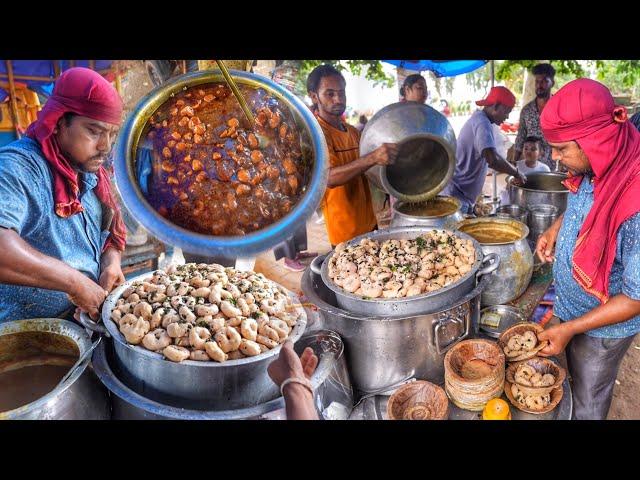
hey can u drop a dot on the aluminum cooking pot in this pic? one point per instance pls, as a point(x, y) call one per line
point(449, 220)
point(129, 177)
point(330, 381)
point(417, 304)
point(427, 157)
point(229, 385)
point(81, 396)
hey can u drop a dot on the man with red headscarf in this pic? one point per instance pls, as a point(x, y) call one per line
point(597, 240)
point(61, 232)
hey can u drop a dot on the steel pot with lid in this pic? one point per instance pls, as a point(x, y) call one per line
point(131, 174)
point(428, 302)
point(506, 238)
point(439, 212)
point(230, 385)
point(35, 354)
point(426, 160)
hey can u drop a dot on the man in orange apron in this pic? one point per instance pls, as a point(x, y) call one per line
point(346, 206)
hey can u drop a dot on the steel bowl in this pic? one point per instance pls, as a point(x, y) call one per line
point(508, 316)
point(417, 304)
point(401, 218)
point(427, 156)
point(129, 176)
point(512, 211)
point(229, 385)
point(541, 217)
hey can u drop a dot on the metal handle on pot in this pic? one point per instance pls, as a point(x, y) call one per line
point(86, 322)
point(316, 264)
point(454, 319)
point(493, 260)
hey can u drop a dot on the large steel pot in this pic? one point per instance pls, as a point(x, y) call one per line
point(417, 304)
point(427, 157)
point(540, 189)
point(403, 214)
point(513, 275)
point(541, 217)
point(81, 397)
point(383, 351)
point(129, 177)
point(233, 384)
point(330, 380)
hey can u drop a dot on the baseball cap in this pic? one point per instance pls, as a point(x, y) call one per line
point(500, 95)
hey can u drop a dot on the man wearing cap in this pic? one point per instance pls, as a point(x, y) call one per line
point(61, 232)
point(596, 268)
point(476, 149)
point(544, 75)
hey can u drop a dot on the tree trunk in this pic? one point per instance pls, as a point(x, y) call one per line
point(529, 89)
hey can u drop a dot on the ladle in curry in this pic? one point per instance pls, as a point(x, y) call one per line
point(82, 358)
point(241, 100)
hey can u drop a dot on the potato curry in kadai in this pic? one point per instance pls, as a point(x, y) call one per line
point(212, 175)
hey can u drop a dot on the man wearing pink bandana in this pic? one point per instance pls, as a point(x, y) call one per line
point(597, 240)
point(61, 231)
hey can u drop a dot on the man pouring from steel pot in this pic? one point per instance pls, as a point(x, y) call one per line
point(61, 232)
point(597, 240)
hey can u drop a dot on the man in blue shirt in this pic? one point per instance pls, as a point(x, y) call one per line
point(476, 149)
point(61, 233)
point(597, 240)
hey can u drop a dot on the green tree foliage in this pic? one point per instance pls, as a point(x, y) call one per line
point(372, 70)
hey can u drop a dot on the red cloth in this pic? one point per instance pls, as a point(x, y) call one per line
point(584, 111)
point(87, 93)
point(501, 95)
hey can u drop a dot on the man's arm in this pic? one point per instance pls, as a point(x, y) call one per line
point(383, 155)
point(499, 164)
point(21, 264)
point(619, 308)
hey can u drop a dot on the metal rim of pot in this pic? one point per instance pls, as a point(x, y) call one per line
point(197, 243)
point(335, 310)
point(452, 200)
point(109, 329)
point(476, 269)
point(55, 326)
point(509, 181)
point(107, 376)
point(429, 194)
point(543, 210)
point(480, 220)
point(115, 385)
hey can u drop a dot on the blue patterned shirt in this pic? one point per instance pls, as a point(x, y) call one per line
point(26, 206)
point(571, 300)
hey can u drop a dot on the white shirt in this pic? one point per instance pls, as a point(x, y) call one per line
point(540, 167)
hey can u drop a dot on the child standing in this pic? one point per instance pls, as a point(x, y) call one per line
point(531, 153)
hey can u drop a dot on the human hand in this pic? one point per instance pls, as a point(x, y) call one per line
point(545, 246)
point(520, 179)
point(385, 154)
point(288, 365)
point(87, 295)
point(111, 277)
point(558, 337)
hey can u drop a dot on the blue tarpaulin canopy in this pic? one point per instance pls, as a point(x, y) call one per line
point(39, 75)
point(444, 68)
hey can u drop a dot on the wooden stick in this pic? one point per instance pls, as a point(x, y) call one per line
point(12, 98)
